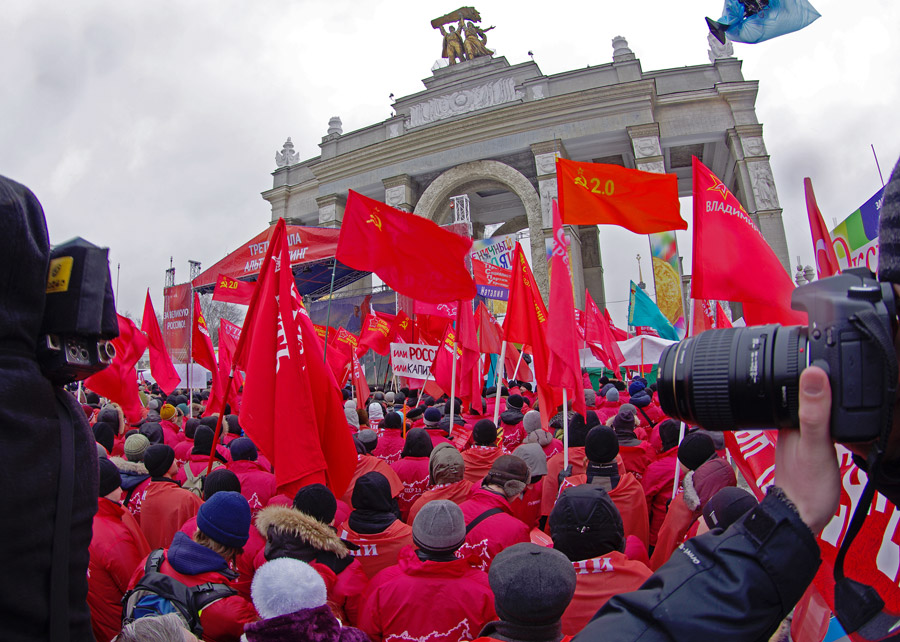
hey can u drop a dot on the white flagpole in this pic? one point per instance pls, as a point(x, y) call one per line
point(565, 429)
point(677, 463)
point(499, 382)
point(516, 371)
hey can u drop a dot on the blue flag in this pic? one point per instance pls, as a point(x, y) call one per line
point(644, 312)
point(753, 21)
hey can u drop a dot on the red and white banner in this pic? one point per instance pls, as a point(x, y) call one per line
point(491, 281)
point(177, 321)
point(412, 360)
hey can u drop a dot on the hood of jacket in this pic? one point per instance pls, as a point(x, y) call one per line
point(129, 467)
point(539, 436)
point(314, 625)
point(289, 523)
point(511, 417)
point(190, 558)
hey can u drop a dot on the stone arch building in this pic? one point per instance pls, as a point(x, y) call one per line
point(492, 130)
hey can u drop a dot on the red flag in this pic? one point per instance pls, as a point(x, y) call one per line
point(594, 193)
point(730, 254)
point(618, 334)
point(516, 368)
point(431, 328)
point(471, 381)
point(826, 260)
point(229, 290)
point(446, 310)
point(358, 376)
point(201, 343)
point(703, 316)
point(160, 363)
point(490, 335)
point(118, 381)
point(291, 405)
point(491, 280)
point(375, 334)
point(721, 319)
point(564, 365)
point(402, 328)
point(229, 334)
point(411, 254)
point(346, 342)
point(599, 329)
point(442, 366)
point(525, 322)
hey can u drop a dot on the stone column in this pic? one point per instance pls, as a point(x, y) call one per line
point(400, 192)
point(331, 210)
point(756, 187)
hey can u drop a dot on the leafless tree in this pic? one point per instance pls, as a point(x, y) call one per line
point(214, 311)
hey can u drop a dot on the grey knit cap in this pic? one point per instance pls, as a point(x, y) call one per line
point(889, 230)
point(590, 397)
point(532, 584)
point(612, 395)
point(439, 526)
point(534, 456)
point(135, 447)
point(532, 421)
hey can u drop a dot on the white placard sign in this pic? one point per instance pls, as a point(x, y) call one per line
point(412, 360)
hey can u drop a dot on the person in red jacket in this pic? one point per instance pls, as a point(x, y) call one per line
point(366, 441)
point(117, 547)
point(166, 506)
point(446, 471)
point(528, 506)
point(167, 416)
point(390, 442)
point(659, 478)
point(303, 532)
point(198, 460)
point(489, 520)
point(135, 477)
point(636, 453)
point(430, 594)
point(412, 469)
point(577, 462)
point(223, 524)
point(532, 587)
point(184, 448)
point(535, 434)
point(257, 484)
point(374, 525)
point(431, 422)
point(484, 452)
point(586, 526)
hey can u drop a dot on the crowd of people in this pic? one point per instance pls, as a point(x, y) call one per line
point(447, 531)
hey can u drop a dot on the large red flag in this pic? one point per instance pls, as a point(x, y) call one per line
point(160, 363)
point(826, 260)
point(229, 334)
point(598, 329)
point(564, 365)
point(721, 318)
point(201, 343)
point(291, 405)
point(229, 290)
point(490, 335)
point(118, 381)
point(442, 366)
point(732, 260)
point(411, 254)
point(360, 385)
point(525, 322)
point(470, 374)
point(703, 316)
point(594, 193)
point(375, 334)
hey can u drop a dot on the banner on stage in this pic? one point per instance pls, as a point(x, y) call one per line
point(412, 360)
point(177, 321)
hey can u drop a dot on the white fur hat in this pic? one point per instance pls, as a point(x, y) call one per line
point(286, 585)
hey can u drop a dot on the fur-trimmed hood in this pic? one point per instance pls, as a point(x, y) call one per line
point(284, 520)
point(133, 467)
point(701, 484)
point(690, 493)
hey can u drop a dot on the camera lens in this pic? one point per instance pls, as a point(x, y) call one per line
point(735, 378)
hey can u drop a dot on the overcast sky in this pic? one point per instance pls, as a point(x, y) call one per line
point(151, 127)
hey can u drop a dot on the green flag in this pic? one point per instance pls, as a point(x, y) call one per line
point(643, 311)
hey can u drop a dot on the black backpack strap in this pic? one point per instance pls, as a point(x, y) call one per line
point(155, 560)
point(488, 513)
point(649, 421)
point(205, 594)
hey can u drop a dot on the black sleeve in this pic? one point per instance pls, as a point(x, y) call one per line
point(736, 585)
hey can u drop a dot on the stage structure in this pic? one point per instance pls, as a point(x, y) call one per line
point(491, 131)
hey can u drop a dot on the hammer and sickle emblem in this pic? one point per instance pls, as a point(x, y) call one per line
point(374, 219)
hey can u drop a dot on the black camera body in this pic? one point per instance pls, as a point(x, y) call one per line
point(79, 313)
point(747, 378)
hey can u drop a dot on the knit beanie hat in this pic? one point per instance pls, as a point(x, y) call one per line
point(590, 397)
point(439, 527)
point(203, 440)
point(135, 447)
point(158, 459)
point(219, 480)
point(317, 501)
point(167, 412)
point(389, 397)
point(392, 420)
point(417, 444)
point(889, 230)
point(532, 421)
point(109, 478)
point(432, 417)
point(283, 586)
point(233, 424)
point(624, 420)
point(612, 395)
point(515, 401)
point(509, 472)
point(484, 432)
point(190, 427)
point(532, 585)
point(640, 400)
point(601, 445)
point(368, 438)
point(635, 386)
point(225, 518)
point(243, 449)
point(153, 432)
point(109, 415)
point(104, 435)
point(585, 523)
point(727, 506)
point(695, 450)
point(591, 419)
point(446, 464)
point(578, 430)
point(668, 433)
point(533, 455)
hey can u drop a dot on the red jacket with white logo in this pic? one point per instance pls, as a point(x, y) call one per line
point(377, 551)
point(457, 492)
point(494, 533)
point(257, 484)
point(479, 460)
point(390, 445)
point(577, 460)
point(413, 472)
point(418, 601)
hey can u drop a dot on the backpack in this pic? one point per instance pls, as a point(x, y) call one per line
point(159, 594)
point(194, 483)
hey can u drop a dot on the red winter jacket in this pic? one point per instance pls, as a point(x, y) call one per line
point(183, 451)
point(367, 464)
point(390, 445)
point(479, 460)
point(193, 564)
point(433, 601)
point(637, 457)
point(628, 496)
point(377, 551)
point(437, 435)
point(170, 433)
point(165, 507)
point(657, 482)
point(457, 492)
point(117, 547)
point(528, 507)
point(494, 533)
point(577, 460)
point(257, 484)
point(413, 472)
point(198, 464)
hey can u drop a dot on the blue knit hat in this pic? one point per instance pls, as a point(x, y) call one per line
point(243, 448)
point(635, 386)
point(226, 519)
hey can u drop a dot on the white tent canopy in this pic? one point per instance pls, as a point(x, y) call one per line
point(631, 348)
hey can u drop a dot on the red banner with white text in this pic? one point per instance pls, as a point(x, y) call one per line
point(177, 321)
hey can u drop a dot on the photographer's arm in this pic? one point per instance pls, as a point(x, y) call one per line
point(740, 584)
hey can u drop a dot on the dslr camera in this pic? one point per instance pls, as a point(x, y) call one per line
point(79, 314)
point(747, 378)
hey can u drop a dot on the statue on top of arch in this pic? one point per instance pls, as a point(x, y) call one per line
point(466, 40)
